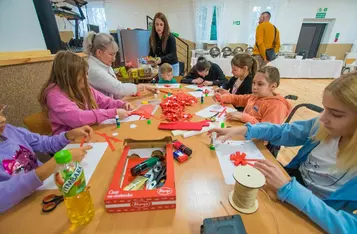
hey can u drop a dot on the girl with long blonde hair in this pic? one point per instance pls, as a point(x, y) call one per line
point(70, 102)
point(324, 172)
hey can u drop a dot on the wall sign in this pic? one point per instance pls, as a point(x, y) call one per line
point(321, 13)
point(336, 37)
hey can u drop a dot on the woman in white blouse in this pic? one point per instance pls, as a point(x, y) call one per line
point(102, 49)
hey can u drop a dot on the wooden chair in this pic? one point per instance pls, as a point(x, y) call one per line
point(38, 123)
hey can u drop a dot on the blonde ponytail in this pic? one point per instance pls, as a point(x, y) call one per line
point(88, 42)
point(98, 41)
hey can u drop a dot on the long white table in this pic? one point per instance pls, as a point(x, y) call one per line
point(291, 68)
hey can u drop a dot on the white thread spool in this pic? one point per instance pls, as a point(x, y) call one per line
point(244, 196)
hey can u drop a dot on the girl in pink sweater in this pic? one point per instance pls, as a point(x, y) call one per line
point(70, 102)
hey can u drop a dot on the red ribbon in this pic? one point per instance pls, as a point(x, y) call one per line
point(108, 139)
point(173, 107)
point(238, 158)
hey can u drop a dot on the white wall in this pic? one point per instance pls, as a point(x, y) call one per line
point(19, 26)
point(290, 16)
point(180, 14)
point(132, 14)
point(129, 13)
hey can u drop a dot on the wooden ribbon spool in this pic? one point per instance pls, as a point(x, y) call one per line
point(244, 196)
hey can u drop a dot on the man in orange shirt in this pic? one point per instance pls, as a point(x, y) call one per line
point(267, 39)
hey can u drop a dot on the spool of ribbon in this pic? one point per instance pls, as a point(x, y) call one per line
point(244, 196)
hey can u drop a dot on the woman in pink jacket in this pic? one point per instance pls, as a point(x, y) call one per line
point(70, 102)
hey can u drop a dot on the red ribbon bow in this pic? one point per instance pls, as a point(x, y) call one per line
point(238, 158)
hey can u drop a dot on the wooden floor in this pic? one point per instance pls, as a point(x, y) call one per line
point(308, 91)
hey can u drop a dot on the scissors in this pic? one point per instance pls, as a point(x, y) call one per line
point(158, 174)
point(213, 117)
point(51, 202)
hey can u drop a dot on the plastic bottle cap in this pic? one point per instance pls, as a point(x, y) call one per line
point(222, 125)
point(63, 156)
point(149, 121)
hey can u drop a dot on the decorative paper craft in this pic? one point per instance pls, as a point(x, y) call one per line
point(224, 150)
point(89, 163)
point(173, 107)
point(165, 86)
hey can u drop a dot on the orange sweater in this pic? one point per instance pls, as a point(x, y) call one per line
point(273, 109)
point(264, 37)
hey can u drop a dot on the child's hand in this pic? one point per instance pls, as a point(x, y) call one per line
point(221, 91)
point(207, 83)
point(84, 131)
point(198, 81)
point(122, 113)
point(217, 97)
point(128, 106)
point(237, 116)
point(224, 134)
point(79, 153)
point(273, 174)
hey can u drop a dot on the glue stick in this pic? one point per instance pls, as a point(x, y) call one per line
point(117, 121)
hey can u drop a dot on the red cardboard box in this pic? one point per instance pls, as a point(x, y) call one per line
point(118, 200)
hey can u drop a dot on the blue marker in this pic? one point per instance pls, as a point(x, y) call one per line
point(117, 121)
point(201, 99)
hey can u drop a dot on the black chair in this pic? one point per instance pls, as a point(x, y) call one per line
point(274, 150)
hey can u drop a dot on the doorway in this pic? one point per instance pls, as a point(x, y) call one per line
point(310, 39)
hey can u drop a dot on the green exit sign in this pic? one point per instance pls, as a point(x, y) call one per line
point(236, 22)
point(320, 15)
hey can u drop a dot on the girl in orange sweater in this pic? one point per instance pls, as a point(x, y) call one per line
point(263, 105)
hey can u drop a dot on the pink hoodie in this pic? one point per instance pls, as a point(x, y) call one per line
point(64, 114)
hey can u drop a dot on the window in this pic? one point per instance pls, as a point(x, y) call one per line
point(206, 23)
point(213, 34)
point(95, 14)
point(255, 14)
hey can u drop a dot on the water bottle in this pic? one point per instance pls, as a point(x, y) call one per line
point(69, 178)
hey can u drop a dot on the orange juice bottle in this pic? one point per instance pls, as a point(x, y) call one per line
point(69, 178)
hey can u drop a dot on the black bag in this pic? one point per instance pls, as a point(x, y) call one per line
point(270, 53)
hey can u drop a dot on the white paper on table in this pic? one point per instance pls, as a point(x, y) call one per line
point(178, 132)
point(195, 87)
point(214, 109)
point(224, 150)
point(89, 163)
point(171, 86)
point(199, 94)
point(131, 118)
point(204, 129)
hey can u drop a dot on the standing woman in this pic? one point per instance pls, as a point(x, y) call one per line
point(163, 44)
point(102, 49)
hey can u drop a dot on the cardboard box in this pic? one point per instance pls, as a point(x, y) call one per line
point(118, 200)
